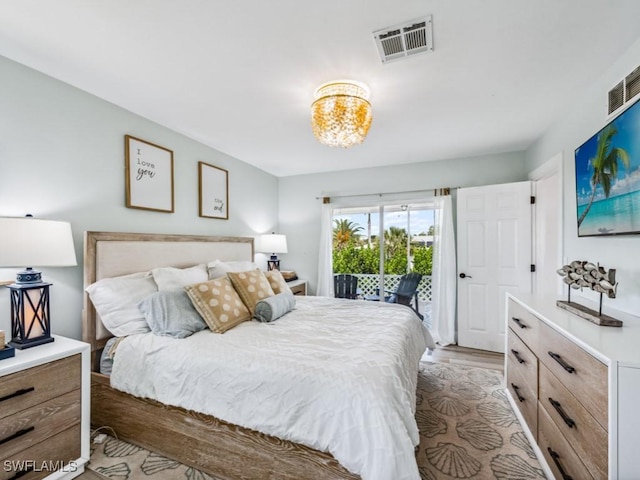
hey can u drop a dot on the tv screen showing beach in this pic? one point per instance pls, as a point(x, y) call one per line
point(608, 178)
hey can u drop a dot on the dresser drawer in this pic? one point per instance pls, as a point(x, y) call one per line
point(588, 438)
point(583, 375)
point(561, 458)
point(525, 398)
point(524, 324)
point(35, 424)
point(33, 386)
point(42, 459)
point(520, 358)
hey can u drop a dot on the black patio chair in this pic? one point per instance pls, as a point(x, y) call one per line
point(345, 286)
point(406, 292)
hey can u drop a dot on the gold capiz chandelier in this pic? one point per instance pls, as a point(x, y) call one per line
point(341, 113)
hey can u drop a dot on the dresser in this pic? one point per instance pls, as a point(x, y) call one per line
point(575, 387)
point(44, 411)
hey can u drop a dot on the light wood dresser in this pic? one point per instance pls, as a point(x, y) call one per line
point(575, 387)
point(44, 411)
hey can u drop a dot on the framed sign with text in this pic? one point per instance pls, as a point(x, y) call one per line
point(148, 175)
point(213, 191)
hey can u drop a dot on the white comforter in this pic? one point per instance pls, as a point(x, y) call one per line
point(336, 375)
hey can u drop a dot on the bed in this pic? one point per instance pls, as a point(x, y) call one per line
point(183, 429)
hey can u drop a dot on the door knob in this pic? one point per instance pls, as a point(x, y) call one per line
point(464, 275)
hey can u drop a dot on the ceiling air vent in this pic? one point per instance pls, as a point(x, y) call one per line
point(406, 39)
point(624, 91)
point(632, 84)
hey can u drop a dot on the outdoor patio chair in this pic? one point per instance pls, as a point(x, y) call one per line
point(345, 286)
point(406, 292)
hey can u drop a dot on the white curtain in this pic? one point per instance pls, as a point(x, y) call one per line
point(443, 290)
point(325, 260)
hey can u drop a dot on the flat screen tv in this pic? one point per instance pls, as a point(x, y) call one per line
point(608, 178)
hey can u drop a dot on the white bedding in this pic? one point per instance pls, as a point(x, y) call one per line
point(336, 375)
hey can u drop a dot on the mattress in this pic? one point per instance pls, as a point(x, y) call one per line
point(335, 375)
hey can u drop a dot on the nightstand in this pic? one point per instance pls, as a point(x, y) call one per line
point(44, 411)
point(298, 287)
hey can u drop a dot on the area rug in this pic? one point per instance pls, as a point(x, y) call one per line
point(467, 430)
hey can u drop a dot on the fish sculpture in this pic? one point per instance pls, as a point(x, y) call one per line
point(582, 274)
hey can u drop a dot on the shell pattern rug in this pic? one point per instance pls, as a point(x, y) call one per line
point(467, 430)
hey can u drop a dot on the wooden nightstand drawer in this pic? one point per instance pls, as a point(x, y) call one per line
point(299, 289)
point(44, 458)
point(524, 324)
point(33, 386)
point(33, 425)
point(560, 457)
point(582, 374)
point(581, 430)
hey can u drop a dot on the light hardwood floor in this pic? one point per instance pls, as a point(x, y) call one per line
point(451, 354)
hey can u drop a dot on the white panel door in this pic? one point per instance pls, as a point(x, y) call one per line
point(494, 257)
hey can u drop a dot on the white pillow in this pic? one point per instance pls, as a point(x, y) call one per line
point(116, 301)
point(219, 269)
point(170, 278)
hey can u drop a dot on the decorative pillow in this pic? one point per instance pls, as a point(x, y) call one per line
point(170, 278)
point(277, 281)
point(252, 286)
point(218, 304)
point(171, 314)
point(219, 269)
point(274, 307)
point(116, 301)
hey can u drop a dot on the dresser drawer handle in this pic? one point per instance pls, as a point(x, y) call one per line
point(567, 419)
point(517, 390)
point(519, 322)
point(556, 460)
point(22, 473)
point(517, 355)
point(19, 433)
point(17, 393)
point(562, 363)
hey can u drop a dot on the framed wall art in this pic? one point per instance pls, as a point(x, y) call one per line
point(148, 176)
point(213, 191)
point(608, 178)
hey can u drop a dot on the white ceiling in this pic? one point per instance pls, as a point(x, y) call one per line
point(239, 75)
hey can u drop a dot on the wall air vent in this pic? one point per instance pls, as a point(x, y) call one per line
point(624, 91)
point(406, 39)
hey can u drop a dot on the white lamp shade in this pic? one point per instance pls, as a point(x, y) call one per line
point(32, 242)
point(271, 243)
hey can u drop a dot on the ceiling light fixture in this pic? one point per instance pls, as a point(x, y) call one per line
point(341, 113)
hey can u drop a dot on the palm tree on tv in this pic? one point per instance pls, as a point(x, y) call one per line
point(605, 165)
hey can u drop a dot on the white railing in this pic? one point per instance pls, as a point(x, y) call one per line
point(368, 285)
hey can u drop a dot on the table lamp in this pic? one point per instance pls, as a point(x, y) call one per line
point(272, 243)
point(42, 243)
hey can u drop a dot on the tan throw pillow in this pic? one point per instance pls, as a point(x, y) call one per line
point(252, 286)
point(277, 281)
point(218, 304)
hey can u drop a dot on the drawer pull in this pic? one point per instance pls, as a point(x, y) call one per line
point(519, 322)
point(17, 393)
point(562, 363)
point(22, 473)
point(556, 460)
point(517, 390)
point(19, 433)
point(567, 419)
point(517, 355)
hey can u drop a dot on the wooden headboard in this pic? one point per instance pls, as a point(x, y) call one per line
point(110, 254)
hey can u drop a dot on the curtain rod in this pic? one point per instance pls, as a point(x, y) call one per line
point(436, 192)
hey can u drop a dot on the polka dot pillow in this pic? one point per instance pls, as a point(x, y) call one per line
point(252, 286)
point(277, 281)
point(218, 304)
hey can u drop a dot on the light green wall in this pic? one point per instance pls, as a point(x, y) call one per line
point(300, 206)
point(62, 157)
